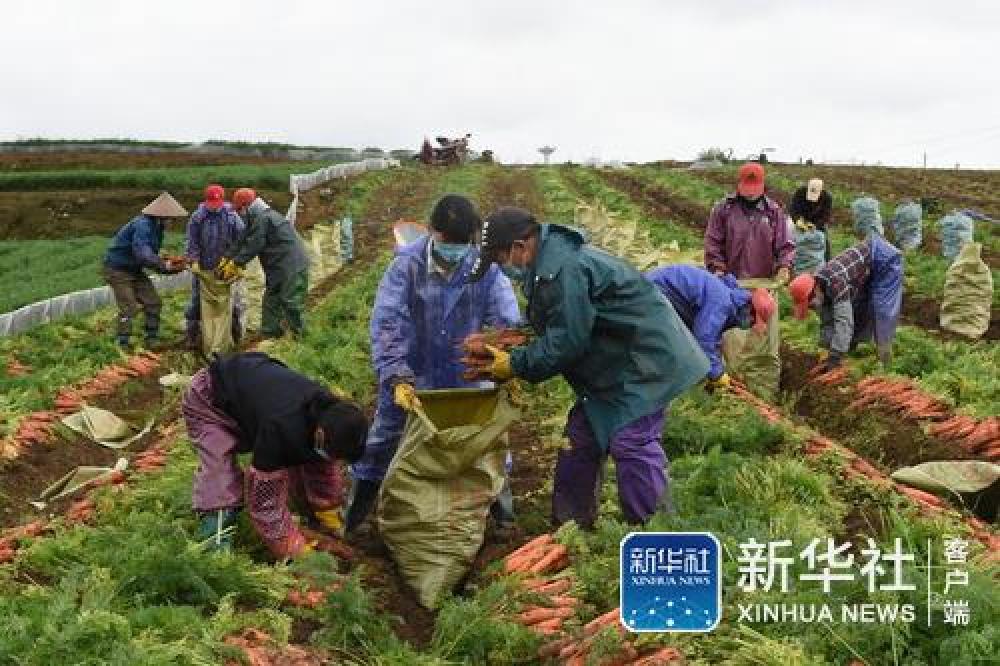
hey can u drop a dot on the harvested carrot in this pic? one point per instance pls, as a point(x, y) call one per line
point(662, 657)
point(920, 496)
point(566, 601)
point(551, 559)
point(542, 540)
point(553, 648)
point(548, 625)
point(608, 619)
point(536, 615)
point(554, 587)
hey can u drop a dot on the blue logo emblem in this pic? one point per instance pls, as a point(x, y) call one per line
point(670, 581)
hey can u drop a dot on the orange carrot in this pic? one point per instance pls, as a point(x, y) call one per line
point(554, 587)
point(552, 649)
point(920, 496)
point(542, 540)
point(550, 560)
point(608, 619)
point(550, 624)
point(536, 615)
point(567, 601)
point(662, 657)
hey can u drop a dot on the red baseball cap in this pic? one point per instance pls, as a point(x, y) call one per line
point(751, 183)
point(215, 197)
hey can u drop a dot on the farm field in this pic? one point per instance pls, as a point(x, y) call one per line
point(121, 581)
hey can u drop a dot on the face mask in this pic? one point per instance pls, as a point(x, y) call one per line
point(451, 253)
point(515, 273)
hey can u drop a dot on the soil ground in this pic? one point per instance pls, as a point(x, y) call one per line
point(10, 161)
point(75, 213)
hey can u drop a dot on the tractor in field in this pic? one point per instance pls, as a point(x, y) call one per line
point(448, 152)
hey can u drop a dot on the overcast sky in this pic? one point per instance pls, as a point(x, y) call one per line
point(637, 80)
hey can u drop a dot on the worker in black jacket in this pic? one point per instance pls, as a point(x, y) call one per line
point(297, 433)
point(811, 204)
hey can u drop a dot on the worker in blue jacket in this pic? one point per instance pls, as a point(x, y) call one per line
point(425, 306)
point(710, 305)
point(618, 343)
point(134, 248)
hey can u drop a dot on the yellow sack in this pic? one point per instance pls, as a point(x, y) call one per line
point(755, 358)
point(434, 503)
point(968, 294)
point(216, 314)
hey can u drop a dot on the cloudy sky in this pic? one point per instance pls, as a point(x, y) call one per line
point(634, 80)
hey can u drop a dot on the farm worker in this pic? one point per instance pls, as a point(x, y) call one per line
point(272, 238)
point(811, 204)
point(747, 233)
point(135, 247)
point(212, 229)
point(297, 433)
point(425, 306)
point(709, 305)
point(858, 295)
point(615, 339)
point(749, 236)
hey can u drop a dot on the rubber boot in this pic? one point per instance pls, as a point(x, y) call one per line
point(216, 528)
point(363, 496)
point(502, 509)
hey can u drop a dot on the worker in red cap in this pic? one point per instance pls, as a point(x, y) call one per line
point(747, 233)
point(213, 228)
point(271, 238)
point(710, 305)
point(858, 295)
point(749, 236)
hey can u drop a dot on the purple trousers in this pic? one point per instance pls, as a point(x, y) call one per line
point(640, 466)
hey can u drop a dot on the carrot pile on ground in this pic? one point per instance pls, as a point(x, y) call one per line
point(17, 369)
point(10, 539)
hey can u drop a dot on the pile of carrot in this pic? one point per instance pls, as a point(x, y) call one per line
point(831, 378)
point(17, 369)
point(153, 458)
point(310, 598)
point(477, 358)
point(539, 556)
point(10, 539)
point(259, 649)
point(979, 437)
point(329, 544)
point(575, 650)
point(35, 428)
point(81, 511)
point(900, 396)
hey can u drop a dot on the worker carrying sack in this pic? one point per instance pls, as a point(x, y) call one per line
point(907, 225)
point(810, 248)
point(434, 503)
point(956, 231)
point(867, 217)
point(968, 294)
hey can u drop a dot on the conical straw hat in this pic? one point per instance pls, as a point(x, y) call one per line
point(165, 206)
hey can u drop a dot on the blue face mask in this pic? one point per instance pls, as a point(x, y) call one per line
point(515, 273)
point(451, 253)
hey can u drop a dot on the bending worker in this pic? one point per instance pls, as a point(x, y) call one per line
point(212, 229)
point(424, 308)
point(618, 343)
point(709, 305)
point(272, 238)
point(296, 432)
point(858, 295)
point(136, 246)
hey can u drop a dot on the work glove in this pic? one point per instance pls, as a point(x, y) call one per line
point(500, 367)
point(228, 271)
point(330, 519)
point(783, 275)
point(802, 225)
point(721, 382)
point(822, 356)
point(405, 396)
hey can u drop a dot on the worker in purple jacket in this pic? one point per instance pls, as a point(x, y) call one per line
point(749, 236)
point(747, 233)
point(212, 229)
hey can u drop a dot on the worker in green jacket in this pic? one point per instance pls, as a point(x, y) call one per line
point(617, 341)
point(270, 237)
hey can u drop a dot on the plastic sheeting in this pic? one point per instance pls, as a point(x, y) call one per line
point(956, 230)
point(968, 294)
point(104, 427)
point(907, 226)
point(867, 217)
point(76, 303)
point(434, 503)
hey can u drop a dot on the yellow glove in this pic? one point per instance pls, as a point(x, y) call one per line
point(330, 519)
point(721, 382)
point(196, 268)
point(500, 367)
point(823, 355)
point(310, 547)
point(405, 396)
point(783, 275)
point(228, 270)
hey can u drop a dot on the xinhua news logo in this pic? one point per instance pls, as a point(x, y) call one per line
point(670, 581)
